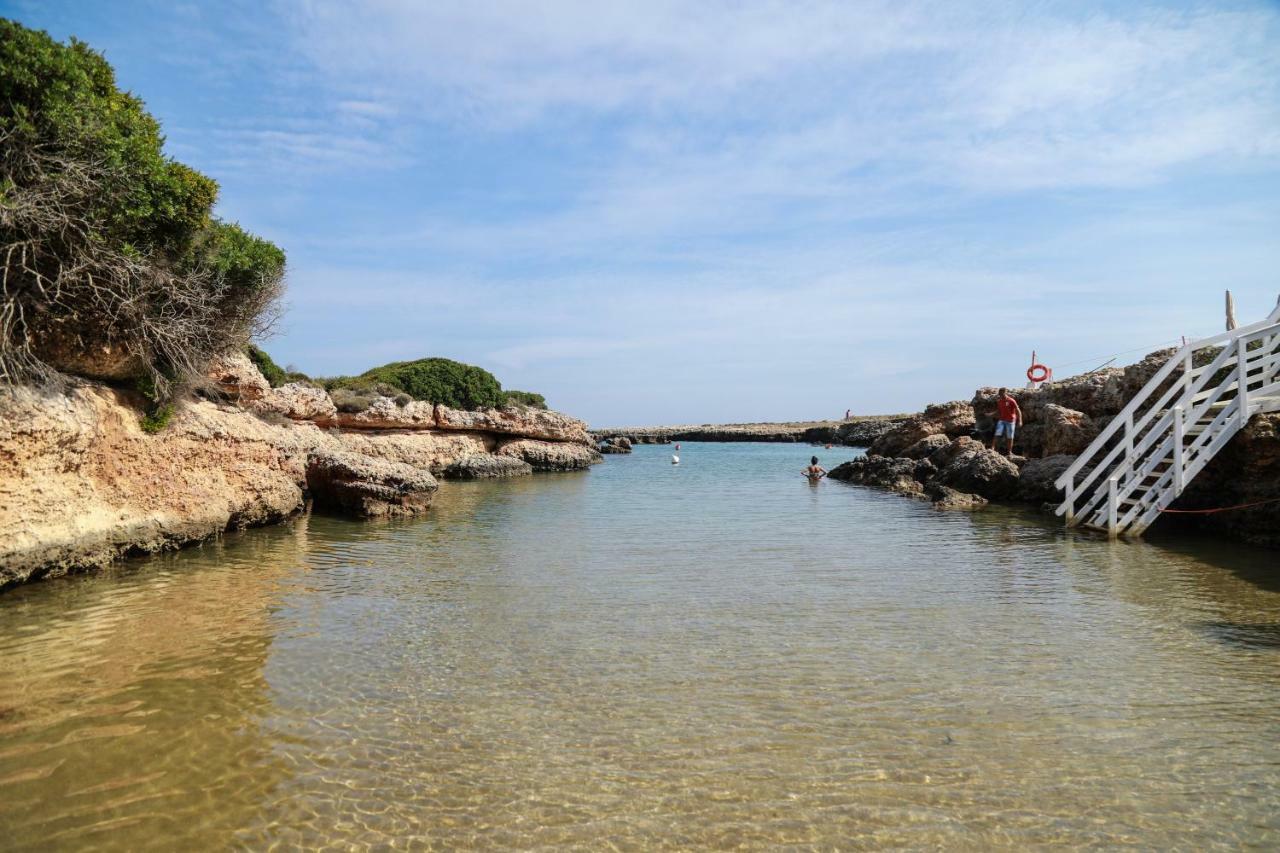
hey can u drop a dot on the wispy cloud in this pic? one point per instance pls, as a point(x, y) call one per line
point(766, 201)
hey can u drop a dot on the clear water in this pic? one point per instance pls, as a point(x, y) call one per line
point(649, 656)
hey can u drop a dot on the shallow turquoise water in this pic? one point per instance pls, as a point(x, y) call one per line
point(644, 655)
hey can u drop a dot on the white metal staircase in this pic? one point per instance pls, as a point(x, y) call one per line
point(1170, 430)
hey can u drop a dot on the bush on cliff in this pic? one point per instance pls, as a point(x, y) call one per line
point(526, 398)
point(272, 372)
point(113, 265)
point(437, 380)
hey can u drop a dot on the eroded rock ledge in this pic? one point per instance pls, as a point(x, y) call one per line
point(81, 484)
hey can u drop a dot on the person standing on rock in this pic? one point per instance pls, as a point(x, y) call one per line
point(1008, 418)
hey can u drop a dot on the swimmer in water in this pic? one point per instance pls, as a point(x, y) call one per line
point(814, 472)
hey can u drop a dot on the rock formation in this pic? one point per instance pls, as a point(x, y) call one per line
point(938, 454)
point(81, 484)
point(615, 444)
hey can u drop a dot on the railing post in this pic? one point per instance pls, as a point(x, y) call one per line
point(1242, 381)
point(1113, 504)
point(1070, 495)
point(1187, 366)
point(1179, 451)
point(1128, 435)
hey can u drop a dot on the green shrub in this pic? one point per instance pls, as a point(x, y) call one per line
point(156, 419)
point(349, 401)
point(439, 380)
point(272, 372)
point(526, 398)
point(105, 242)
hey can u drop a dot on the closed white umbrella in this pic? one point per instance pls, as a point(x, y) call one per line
point(1231, 312)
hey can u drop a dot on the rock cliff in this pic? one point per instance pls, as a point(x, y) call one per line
point(81, 484)
point(940, 455)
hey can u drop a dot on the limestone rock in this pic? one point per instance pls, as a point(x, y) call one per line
point(947, 498)
point(298, 401)
point(880, 472)
point(1135, 376)
point(384, 413)
point(926, 446)
point(551, 456)
point(368, 487)
point(1066, 430)
point(1246, 471)
point(972, 467)
point(433, 451)
point(542, 424)
point(487, 465)
point(950, 419)
point(615, 444)
point(238, 377)
point(1035, 484)
point(81, 484)
point(864, 433)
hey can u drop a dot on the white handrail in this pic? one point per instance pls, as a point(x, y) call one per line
point(1154, 382)
point(1152, 449)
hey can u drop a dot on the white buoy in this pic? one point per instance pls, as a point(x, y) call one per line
point(675, 460)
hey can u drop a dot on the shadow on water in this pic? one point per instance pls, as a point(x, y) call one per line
point(1247, 636)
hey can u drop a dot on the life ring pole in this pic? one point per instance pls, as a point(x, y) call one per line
point(1037, 372)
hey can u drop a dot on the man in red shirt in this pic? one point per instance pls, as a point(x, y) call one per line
point(1008, 418)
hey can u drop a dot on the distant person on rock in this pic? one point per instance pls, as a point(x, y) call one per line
point(847, 413)
point(1008, 418)
point(814, 472)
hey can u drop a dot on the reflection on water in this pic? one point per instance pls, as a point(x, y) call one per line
point(646, 655)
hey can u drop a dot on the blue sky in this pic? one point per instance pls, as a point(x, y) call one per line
point(658, 212)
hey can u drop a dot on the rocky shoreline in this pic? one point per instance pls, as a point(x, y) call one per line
point(855, 432)
point(942, 455)
point(81, 483)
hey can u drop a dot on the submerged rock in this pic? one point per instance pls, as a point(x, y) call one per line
point(947, 498)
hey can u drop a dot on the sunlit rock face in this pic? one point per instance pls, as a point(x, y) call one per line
point(81, 483)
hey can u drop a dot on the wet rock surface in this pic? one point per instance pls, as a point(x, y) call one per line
point(881, 472)
point(947, 498)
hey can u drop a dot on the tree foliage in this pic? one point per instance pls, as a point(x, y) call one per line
point(526, 398)
point(272, 372)
point(438, 380)
point(106, 244)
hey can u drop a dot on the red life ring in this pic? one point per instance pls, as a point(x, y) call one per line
point(1038, 373)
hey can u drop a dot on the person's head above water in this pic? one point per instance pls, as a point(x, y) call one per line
point(813, 461)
